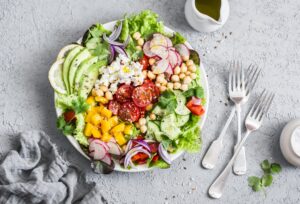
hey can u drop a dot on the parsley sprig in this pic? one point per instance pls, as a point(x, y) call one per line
point(258, 184)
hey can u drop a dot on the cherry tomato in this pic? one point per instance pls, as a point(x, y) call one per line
point(144, 62)
point(139, 157)
point(114, 106)
point(153, 147)
point(154, 89)
point(142, 96)
point(129, 111)
point(155, 158)
point(69, 116)
point(123, 94)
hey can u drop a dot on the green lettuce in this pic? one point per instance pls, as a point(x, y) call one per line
point(78, 133)
point(177, 38)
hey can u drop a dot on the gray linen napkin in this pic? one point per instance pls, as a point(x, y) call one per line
point(36, 173)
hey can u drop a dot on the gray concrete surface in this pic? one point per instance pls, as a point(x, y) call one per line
point(263, 32)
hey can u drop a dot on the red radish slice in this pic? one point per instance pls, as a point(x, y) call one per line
point(173, 59)
point(160, 66)
point(183, 50)
point(107, 159)
point(169, 42)
point(158, 39)
point(169, 71)
point(97, 151)
point(160, 51)
point(106, 147)
point(147, 51)
point(114, 148)
point(179, 59)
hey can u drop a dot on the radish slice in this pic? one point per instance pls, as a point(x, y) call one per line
point(160, 66)
point(102, 143)
point(173, 59)
point(147, 51)
point(160, 51)
point(158, 39)
point(179, 59)
point(169, 42)
point(183, 50)
point(114, 148)
point(97, 151)
point(169, 71)
point(107, 159)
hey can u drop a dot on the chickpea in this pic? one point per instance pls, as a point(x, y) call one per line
point(160, 78)
point(152, 116)
point(187, 80)
point(189, 62)
point(151, 75)
point(94, 92)
point(185, 58)
point(183, 68)
point(157, 84)
point(192, 68)
point(177, 70)
point(181, 75)
point(137, 125)
point(142, 121)
point(188, 73)
point(164, 83)
point(170, 85)
point(193, 75)
point(140, 41)
point(177, 85)
point(162, 88)
point(138, 47)
point(184, 87)
point(143, 129)
point(108, 95)
point(144, 73)
point(149, 107)
point(136, 35)
point(175, 78)
point(152, 61)
point(103, 88)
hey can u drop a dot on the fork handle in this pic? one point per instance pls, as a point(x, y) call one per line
point(211, 157)
point(216, 189)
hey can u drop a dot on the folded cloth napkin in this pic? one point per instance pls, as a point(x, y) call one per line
point(36, 173)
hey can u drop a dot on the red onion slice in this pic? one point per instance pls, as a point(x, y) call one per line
point(131, 153)
point(111, 42)
point(164, 154)
point(120, 50)
point(112, 53)
point(143, 144)
point(116, 33)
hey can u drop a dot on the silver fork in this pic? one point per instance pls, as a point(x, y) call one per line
point(253, 122)
point(211, 157)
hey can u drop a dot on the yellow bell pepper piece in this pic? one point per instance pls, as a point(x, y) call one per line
point(113, 121)
point(99, 108)
point(118, 128)
point(91, 101)
point(105, 126)
point(106, 113)
point(101, 99)
point(106, 137)
point(128, 130)
point(120, 138)
point(96, 133)
point(88, 129)
point(96, 119)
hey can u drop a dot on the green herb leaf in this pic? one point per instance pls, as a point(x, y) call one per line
point(60, 123)
point(195, 57)
point(168, 100)
point(80, 105)
point(265, 165)
point(68, 129)
point(267, 180)
point(253, 180)
point(160, 164)
point(257, 187)
point(275, 168)
point(199, 92)
point(177, 39)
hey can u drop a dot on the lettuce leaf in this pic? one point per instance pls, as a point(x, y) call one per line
point(177, 38)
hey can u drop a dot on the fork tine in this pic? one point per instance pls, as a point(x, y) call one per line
point(261, 104)
point(230, 77)
point(243, 79)
point(252, 77)
point(234, 75)
point(266, 106)
point(255, 105)
point(238, 75)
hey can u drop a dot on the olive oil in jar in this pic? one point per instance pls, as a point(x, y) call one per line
point(209, 7)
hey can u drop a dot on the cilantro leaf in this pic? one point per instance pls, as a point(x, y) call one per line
point(66, 128)
point(168, 100)
point(275, 168)
point(257, 187)
point(267, 180)
point(80, 105)
point(265, 165)
point(253, 180)
point(60, 123)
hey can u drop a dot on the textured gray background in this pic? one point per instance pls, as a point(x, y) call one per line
point(262, 32)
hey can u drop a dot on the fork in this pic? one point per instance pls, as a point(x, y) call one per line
point(211, 157)
point(253, 122)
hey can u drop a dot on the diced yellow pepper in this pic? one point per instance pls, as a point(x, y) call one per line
point(106, 137)
point(106, 113)
point(91, 101)
point(105, 126)
point(96, 119)
point(128, 130)
point(118, 128)
point(98, 108)
point(88, 129)
point(113, 121)
point(120, 138)
point(101, 99)
point(96, 133)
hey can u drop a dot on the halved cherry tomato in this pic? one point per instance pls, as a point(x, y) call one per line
point(142, 96)
point(114, 106)
point(144, 62)
point(129, 111)
point(154, 89)
point(69, 116)
point(153, 147)
point(195, 109)
point(123, 94)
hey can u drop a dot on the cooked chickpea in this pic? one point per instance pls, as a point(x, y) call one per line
point(164, 82)
point(136, 35)
point(184, 87)
point(162, 88)
point(189, 62)
point(137, 125)
point(152, 116)
point(183, 68)
point(144, 73)
point(185, 58)
point(138, 47)
point(143, 129)
point(151, 75)
point(193, 75)
point(175, 78)
point(157, 84)
point(170, 85)
point(181, 75)
point(94, 92)
point(188, 73)
point(149, 107)
point(177, 70)
point(142, 121)
point(103, 88)
point(108, 95)
point(187, 80)
point(160, 78)
point(192, 68)
point(177, 85)
point(152, 61)
point(140, 41)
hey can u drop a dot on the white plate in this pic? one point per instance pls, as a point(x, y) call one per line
point(139, 168)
